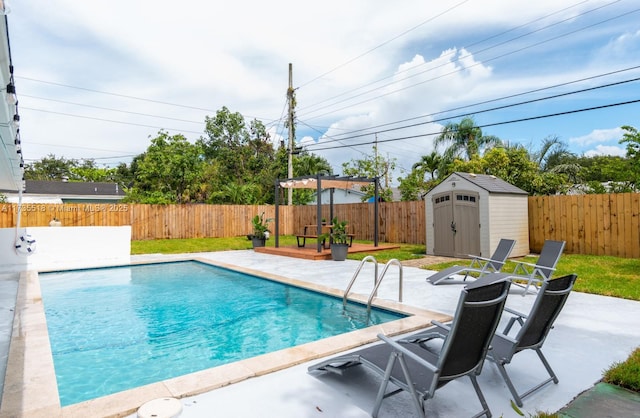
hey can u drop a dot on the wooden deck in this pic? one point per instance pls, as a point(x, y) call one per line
point(310, 251)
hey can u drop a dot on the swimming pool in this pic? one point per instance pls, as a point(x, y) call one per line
point(118, 328)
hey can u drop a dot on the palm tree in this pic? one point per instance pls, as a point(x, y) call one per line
point(553, 152)
point(429, 163)
point(311, 164)
point(464, 138)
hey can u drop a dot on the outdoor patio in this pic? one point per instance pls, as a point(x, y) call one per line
point(591, 333)
point(310, 250)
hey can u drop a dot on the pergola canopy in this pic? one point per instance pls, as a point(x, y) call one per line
point(325, 182)
point(320, 182)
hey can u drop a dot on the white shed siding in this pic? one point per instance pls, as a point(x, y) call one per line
point(485, 221)
point(508, 218)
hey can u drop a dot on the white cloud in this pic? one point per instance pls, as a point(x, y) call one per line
point(356, 64)
point(606, 150)
point(598, 136)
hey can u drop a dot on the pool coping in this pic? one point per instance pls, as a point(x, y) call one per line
point(30, 388)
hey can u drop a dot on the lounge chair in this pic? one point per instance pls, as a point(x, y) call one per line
point(533, 331)
point(541, 271)
point(478, 264)
point(420, 369)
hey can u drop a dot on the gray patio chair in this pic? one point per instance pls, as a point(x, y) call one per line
point(478, 264)
point(420, 369)
point(542, 270)
point(533, 331)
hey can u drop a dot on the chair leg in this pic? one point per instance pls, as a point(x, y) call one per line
point(518, 397)
point(485, 411)
point(395, 356)
point(544, 361)
point(507, 380)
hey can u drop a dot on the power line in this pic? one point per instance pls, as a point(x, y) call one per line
point(467, 47)
point(111, 121)
point(555, 38)
point(111, 109)
point(490, 109)
point(489, 124)
point(115, 94)
point(385, 43)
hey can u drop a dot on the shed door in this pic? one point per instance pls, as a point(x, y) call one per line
point(456, 222)
point(443, 243)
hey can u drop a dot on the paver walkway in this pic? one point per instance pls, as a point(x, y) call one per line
point(603, 401)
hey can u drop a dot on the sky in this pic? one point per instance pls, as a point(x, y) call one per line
point(98, 80)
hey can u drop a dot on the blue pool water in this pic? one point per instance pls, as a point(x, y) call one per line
point(118, 328)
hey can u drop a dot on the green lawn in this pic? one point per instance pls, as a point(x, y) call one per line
point(601, 275)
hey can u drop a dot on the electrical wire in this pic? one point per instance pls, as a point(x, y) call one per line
point(467, 48)
point(466, 68)
point(568, 112)
point(555, 96)
point(112, 121)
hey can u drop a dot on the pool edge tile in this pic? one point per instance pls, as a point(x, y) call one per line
point(30, 384)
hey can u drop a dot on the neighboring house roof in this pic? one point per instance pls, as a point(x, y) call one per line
point(66, 191)
point(492, 184)
point(73, 188)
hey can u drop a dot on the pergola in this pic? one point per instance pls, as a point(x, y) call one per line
point(320, 182)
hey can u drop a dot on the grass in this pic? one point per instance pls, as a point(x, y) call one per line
point(600, 275)
point(625, 374)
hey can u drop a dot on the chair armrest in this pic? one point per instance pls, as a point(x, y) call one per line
point(517, 316)
point(399, 348)
point(439, 324)
point(477, 257)
point(514, 312)
point(523, 263)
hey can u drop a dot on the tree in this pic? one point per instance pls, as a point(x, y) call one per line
point(88, 171)
point(242, 155)
point(464, 140)
point(415, 185)
point(50, 168)
point(428, 164)
point(552, 153)
point(631, 138)
point(372, 166)
point(514, 165)
point(169, 171)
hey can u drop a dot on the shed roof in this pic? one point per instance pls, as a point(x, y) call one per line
point(492, 184)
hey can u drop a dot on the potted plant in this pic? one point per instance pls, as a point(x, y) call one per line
point(339, 240)
point(260, 230)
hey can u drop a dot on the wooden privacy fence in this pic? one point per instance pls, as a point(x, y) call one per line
point(603, 224)
point(590, 224)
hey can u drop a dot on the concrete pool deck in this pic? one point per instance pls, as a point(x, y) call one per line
point(591, 333)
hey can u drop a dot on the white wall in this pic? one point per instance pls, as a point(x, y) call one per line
point(509, 218)
point(66, 247)
point(339, 196)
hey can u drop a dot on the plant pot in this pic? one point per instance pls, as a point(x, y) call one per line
point(339, 252)
point(258, 242)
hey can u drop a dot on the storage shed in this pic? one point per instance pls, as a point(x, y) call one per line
point(468, 214)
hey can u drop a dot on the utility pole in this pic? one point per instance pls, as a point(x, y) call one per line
point(291, 134)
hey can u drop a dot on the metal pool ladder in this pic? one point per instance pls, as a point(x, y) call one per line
point(376, 279)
